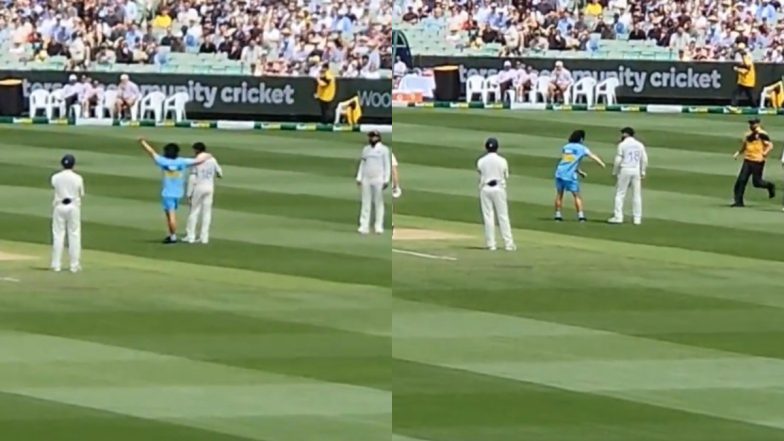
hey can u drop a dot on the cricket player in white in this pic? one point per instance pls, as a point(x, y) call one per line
point(201, 189)
point(630, 166)
point(66, 216)
point(373, 177)
point(493, 174)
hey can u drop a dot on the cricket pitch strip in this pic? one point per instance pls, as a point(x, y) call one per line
point(10, 257)
point(412, 234)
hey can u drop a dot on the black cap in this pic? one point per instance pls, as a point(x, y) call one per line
point(491, 144)
point(627, 131)
point(68, 161)
point(199, 147)
point(373, 133)
point(754, 120)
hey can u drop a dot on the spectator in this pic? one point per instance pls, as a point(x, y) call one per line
point(162, 19)
point(77, 54)
point(208, 47)
point(128, 94)
point(71, 91)
point(251, 54)
point(325, 92)
point(560, 82)
point(680, 40)
point(594, 9)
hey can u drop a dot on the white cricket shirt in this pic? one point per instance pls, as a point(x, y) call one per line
point(631, 155)
point(375, 164)
point(204, 174)
point(492, 166)
point(68, 184)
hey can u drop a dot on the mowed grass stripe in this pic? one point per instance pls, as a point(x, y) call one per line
point(660, 178)
point(673, 156)
point(439, 404)
point(147, 189)
point(251, 228)
point(687, 132)
point(222, 253)
point(59, 422)
point(764, 216)
point(278, 181)
point(276, 151)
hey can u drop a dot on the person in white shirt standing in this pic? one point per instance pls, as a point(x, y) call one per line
point(373, 177)
point(66, 216)
point(201, 189)
point(631, 162)
point(493, 174)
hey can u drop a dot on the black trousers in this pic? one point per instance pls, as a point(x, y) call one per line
point(753, 170)
point(327, 112)
point(748, 92)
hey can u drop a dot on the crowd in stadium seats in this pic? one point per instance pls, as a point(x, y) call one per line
point(280, 37)
point(689, 29)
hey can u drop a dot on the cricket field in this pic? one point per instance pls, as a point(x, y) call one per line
point(278, 330)
point(671, 331)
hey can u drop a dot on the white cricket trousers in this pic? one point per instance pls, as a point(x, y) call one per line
point(372, 200)
point(628, 177)
point(66, 219)
point(493, 201)
point(201, 210)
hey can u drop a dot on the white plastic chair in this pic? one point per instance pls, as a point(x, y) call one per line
point(491, 87)
point(583, 88)
point(474, 86)
point(175, 104)
point(106, 104)
point(511, 95)
point(39, 101)
point(765, 94)
point(606, 89)
point(151, 103)
point(56, 102)
point(542, 88)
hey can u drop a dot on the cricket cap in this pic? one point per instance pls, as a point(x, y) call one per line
point(753, 121)
point(627, 131)
point(491, 144)
point(68, 161)
point(374, 133)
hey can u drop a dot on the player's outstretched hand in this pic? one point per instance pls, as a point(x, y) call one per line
point(582, 174)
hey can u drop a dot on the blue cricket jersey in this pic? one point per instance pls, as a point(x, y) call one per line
point(571, 155)
point(173, 175)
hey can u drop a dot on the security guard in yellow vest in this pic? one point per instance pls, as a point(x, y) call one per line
point(325, 93)
point(755, 149)
point(747, 77)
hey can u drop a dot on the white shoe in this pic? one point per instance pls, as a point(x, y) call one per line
point(381, 231)
point(76, 269)
point(638, 222)
point(511, 248)
point(493, 248)
point(205, 242)
point(614, 220)
point(362, 231)
point(190, 240)
point(57, 270)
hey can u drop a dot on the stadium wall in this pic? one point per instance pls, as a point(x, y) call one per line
point(236, 97)
point(642, 81)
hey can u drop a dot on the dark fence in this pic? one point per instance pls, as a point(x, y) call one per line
point(642, 81)
point(236, 97)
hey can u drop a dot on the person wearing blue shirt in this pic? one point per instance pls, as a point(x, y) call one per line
point(568, 172)
point(173, 168)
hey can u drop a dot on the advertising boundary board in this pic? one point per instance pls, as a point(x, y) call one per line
point(234, 96)
point(642, 81)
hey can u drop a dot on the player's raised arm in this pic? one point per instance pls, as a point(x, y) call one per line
point(148, 148)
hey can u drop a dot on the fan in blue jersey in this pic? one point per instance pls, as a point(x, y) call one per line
point(568, 173)
point(173, 168)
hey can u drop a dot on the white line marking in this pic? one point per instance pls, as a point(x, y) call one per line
point(423, 255)
point(9, 279)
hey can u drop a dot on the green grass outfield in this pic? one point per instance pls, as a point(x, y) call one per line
point(673, 330)
point(279, 330)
